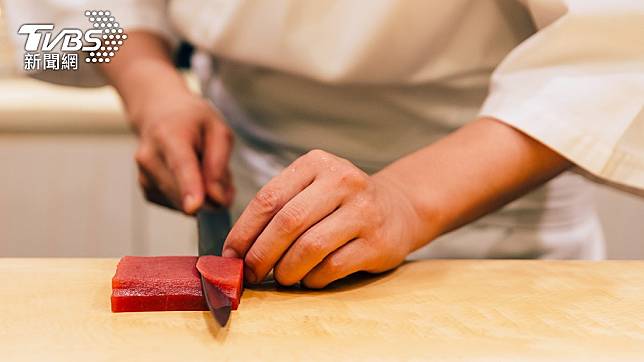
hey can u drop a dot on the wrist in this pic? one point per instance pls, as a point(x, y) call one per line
point(145, 85)
point(151, 105)
point(423, 218)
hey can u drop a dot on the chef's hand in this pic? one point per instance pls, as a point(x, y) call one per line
point(183, 152)
point(184, 145)
point(321, 219)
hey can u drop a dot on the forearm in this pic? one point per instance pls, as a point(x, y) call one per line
point(143, 71)
point(471, 172)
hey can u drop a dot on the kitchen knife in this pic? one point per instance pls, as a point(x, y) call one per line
point(213, 225)
point(218, 303)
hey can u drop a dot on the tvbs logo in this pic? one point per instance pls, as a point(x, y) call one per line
point(100, 43)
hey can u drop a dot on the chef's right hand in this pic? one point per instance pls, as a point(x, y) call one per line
point(184, 144)
point(183, 151)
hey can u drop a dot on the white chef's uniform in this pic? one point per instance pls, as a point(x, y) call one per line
point(374, 80)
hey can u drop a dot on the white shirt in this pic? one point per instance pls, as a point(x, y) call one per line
point(568, 72)
point(374, 80)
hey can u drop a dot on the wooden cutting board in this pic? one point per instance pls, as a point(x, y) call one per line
point(59, 310)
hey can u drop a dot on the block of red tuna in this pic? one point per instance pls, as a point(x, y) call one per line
point(172, 283)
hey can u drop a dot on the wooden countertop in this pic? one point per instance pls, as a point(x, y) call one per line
point(59, 309)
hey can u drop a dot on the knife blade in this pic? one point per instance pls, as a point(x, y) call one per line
point(213, 224)
point(218, 303)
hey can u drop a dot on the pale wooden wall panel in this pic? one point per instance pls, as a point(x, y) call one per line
point(66, 195)
point(76, 195)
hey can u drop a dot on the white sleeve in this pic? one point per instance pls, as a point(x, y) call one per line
point(577, 86)
point(150, 15)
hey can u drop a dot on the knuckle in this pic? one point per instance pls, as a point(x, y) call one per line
point(289, 219)
point(364, 206)
point(254, 259)
point(352, 177)
point(143, 156)
point(323, 275)
point(318, 154)
point(332, 265)
point(312, 244)
point(266, 201)
point(283, 276)
point(161, 133)
point(168, 135)
point(371, 241)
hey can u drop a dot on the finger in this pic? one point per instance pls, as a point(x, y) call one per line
point(181, 161)
point(217, 145)
point(266, 203)
point(156, 180)
point(315, 244)
point(229, 187)
point(152, 193)
point(144, 181)
point(304, 210)
point(350, 258)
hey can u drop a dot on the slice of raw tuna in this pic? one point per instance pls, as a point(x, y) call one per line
point(227, 274)
point(162, 283)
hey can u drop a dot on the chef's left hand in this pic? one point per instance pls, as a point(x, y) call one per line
point(322, 219)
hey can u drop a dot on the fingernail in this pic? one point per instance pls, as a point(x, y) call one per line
point(249, 275)
point(229, 253)
point(217, 191)
point(189, 203)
